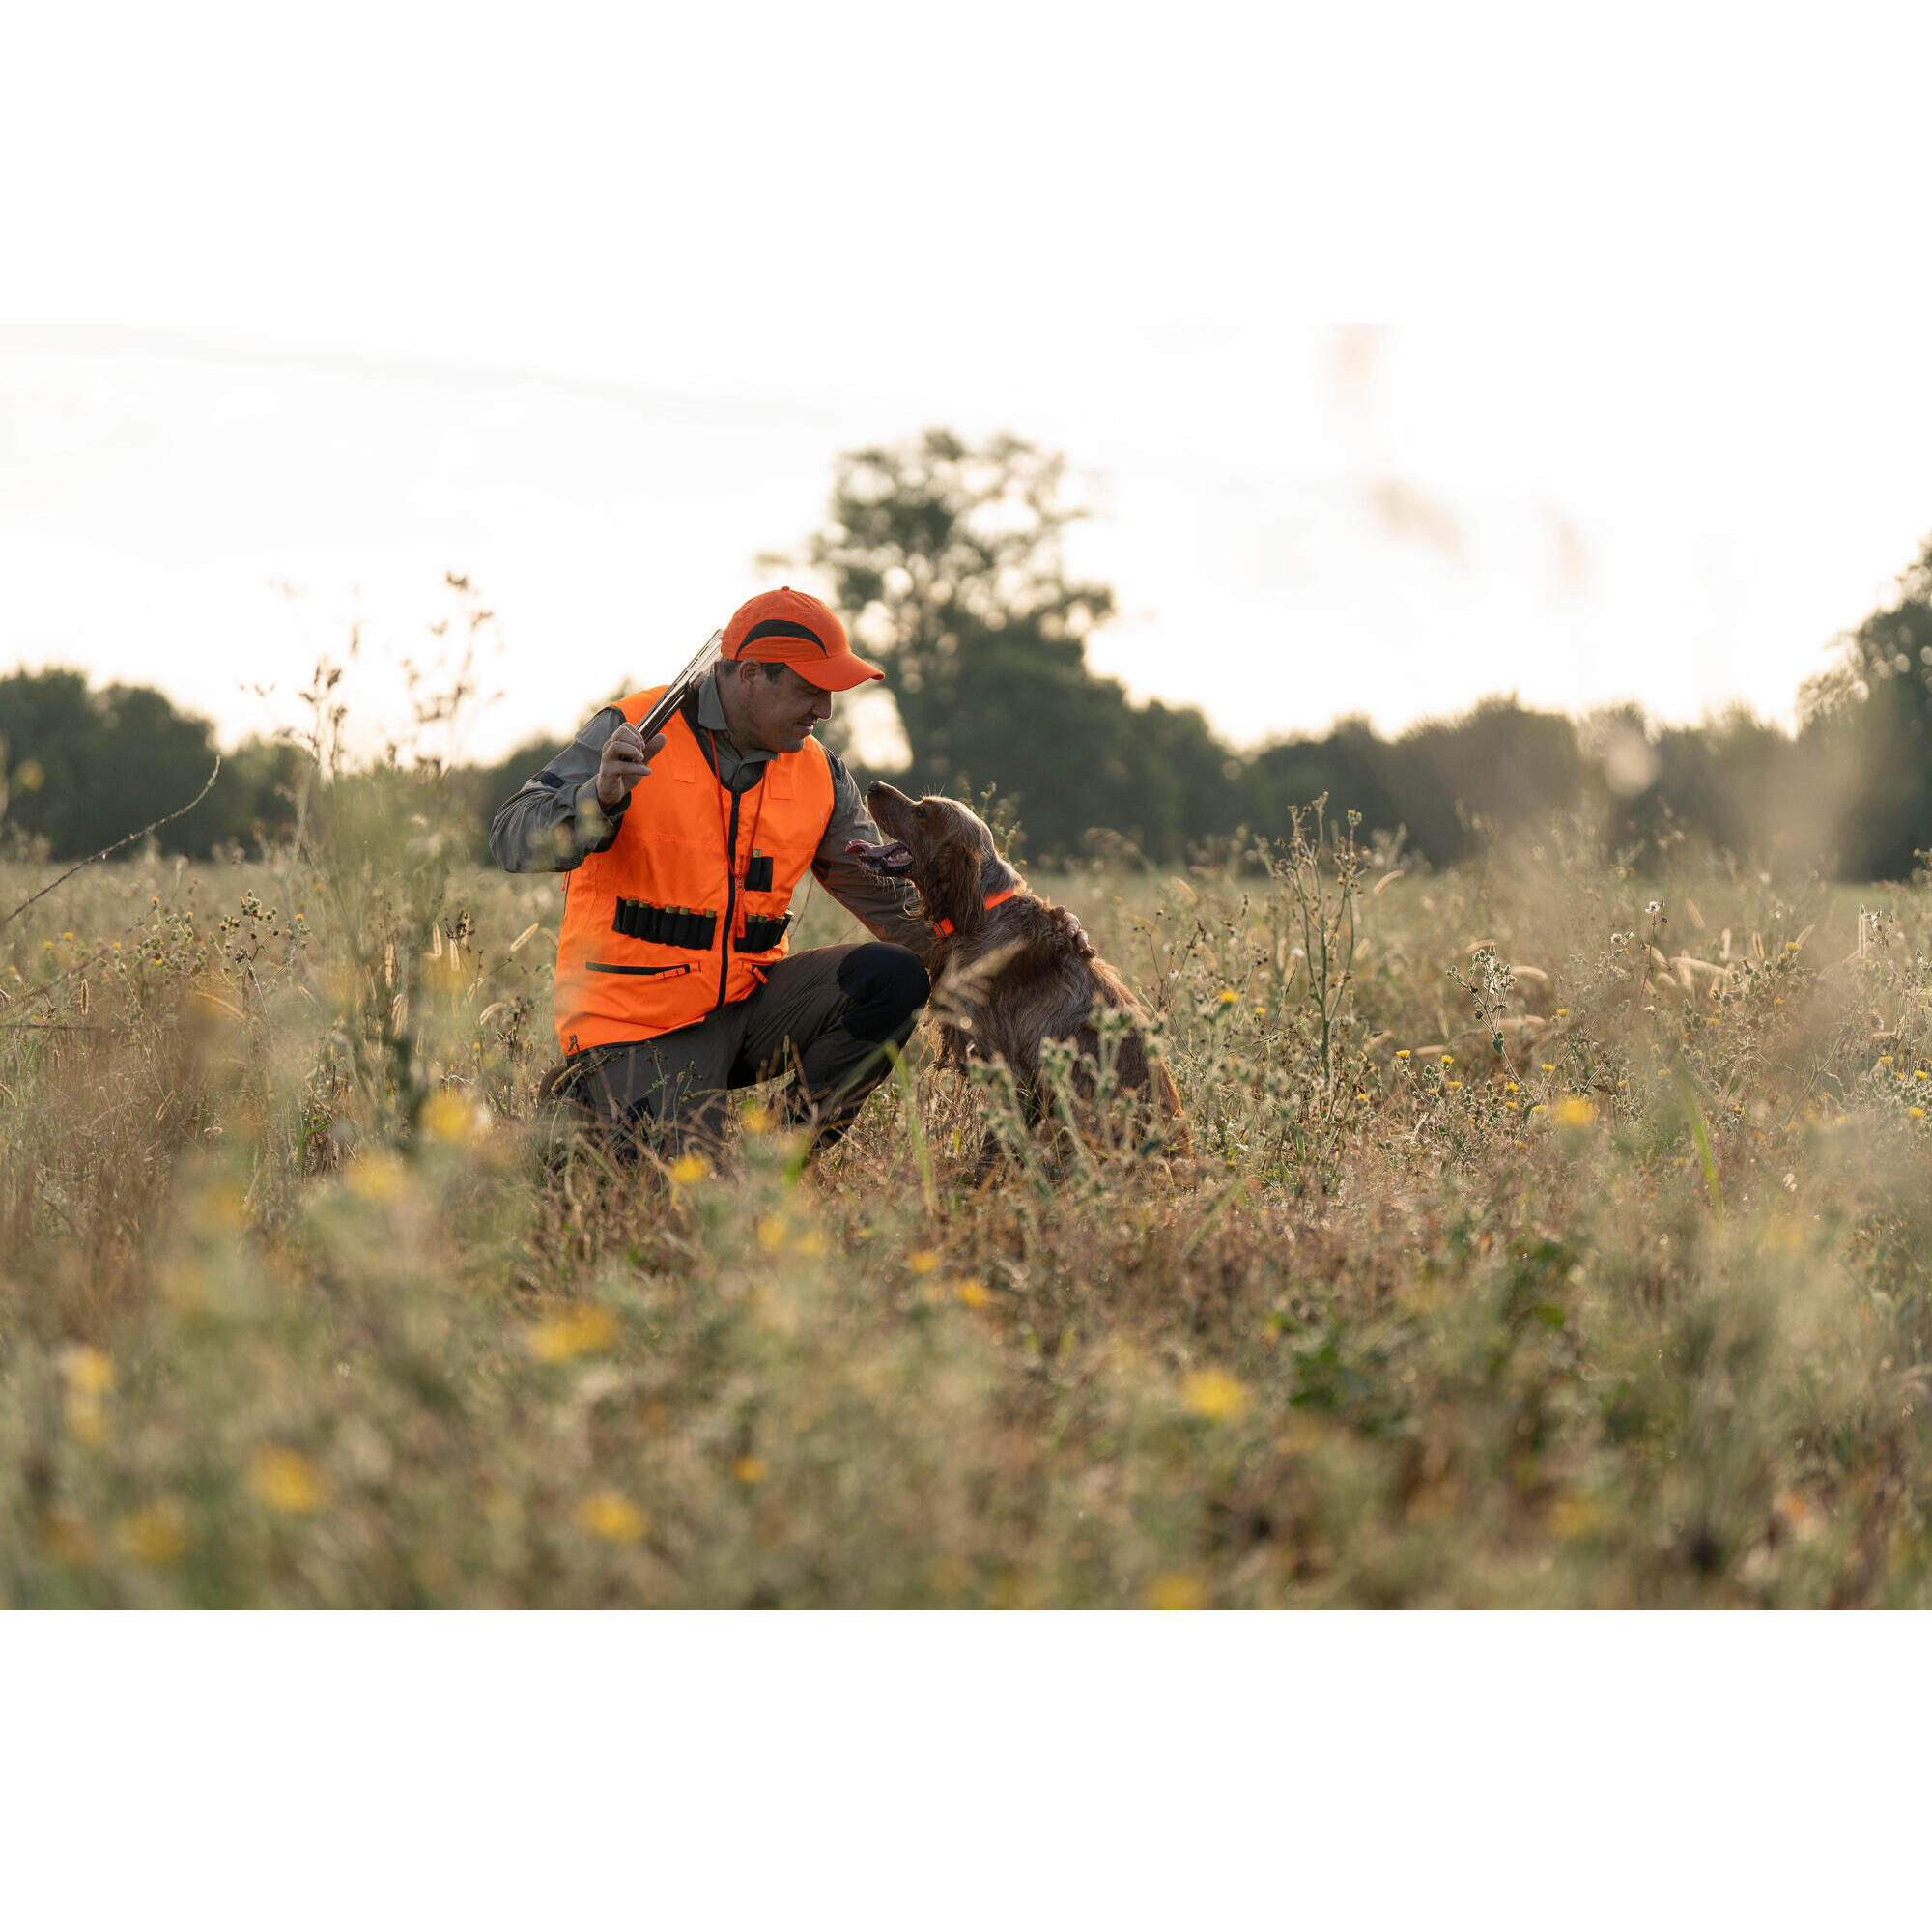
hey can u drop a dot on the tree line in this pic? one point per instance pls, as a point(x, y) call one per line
point(80, 768)
point(948, 560)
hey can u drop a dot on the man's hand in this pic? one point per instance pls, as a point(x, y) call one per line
point(626, 759)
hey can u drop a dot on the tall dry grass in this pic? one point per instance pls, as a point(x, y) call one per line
point(1554, 1237)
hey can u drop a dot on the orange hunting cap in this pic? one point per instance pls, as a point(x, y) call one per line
point(788, 627)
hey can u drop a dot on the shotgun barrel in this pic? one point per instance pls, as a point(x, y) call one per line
point(708, 652)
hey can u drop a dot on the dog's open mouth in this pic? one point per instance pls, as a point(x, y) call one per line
point(887, 861)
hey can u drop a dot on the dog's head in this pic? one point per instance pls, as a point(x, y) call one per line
point(944, 849)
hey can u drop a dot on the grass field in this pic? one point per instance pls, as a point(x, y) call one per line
point(1596, 1275)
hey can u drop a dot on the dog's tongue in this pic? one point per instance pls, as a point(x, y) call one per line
point(885, 860)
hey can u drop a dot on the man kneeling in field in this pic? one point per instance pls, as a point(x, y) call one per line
point(674, 980)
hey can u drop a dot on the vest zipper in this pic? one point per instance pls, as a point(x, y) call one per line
point(730, 899)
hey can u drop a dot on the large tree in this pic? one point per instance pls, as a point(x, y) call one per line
point(83, 768)
point(1868, 724)
point(950, 559)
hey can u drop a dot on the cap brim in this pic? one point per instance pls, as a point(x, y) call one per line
point(839, 673)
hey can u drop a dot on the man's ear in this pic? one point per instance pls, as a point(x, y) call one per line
point(956, 882)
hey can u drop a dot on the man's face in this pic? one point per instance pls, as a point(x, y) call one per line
point(781, 708)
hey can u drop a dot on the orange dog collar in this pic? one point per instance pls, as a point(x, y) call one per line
point(945, 925)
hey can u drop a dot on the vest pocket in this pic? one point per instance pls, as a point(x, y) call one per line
point(660, 972)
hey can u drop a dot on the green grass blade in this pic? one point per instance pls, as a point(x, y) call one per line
point(1700, 1135)
point(921, 1155)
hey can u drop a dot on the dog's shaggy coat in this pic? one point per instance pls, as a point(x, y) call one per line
point(1018, 973)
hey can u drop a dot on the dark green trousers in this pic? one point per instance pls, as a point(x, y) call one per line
point(825, 1017)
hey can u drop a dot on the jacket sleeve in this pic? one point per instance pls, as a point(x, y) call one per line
point(887, 908)
point(554, 823)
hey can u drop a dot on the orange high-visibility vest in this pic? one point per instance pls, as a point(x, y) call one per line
point(691, 900)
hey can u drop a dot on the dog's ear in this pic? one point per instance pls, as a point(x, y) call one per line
point(955, 884)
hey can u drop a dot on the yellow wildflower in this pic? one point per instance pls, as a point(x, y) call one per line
point(1215, 1394)
point(455, 1118)
point(1229, 997)
point(1176, 1591)
point(1510, 1087)
point(219, 1210)
point(378, 1177)
point(89, 1376)
point(973, 1293)
point(1572, 1515)
point(772, 1232)
point(1562, 1012)
point(86, 1419)
point(922, 1260)
point(1916, 1113)
point(758, 1118)
point(614, 1517)
point(578, 1332)
point(286, 1480)
point(1402, 1053)
point(156, 1535)
point(689, 1169)
point(749, 1469)
point(88, 1372)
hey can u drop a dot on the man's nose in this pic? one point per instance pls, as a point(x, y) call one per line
point(821, 706)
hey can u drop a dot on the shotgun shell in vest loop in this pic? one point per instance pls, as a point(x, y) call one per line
point(671, 851)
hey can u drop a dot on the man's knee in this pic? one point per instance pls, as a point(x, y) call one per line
point(886, 986)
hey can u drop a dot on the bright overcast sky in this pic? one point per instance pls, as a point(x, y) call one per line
point(585, 302)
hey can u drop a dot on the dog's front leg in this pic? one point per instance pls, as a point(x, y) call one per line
point(955, 1045)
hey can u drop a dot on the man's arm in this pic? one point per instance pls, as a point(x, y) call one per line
point(887, 908)
point(554, 822)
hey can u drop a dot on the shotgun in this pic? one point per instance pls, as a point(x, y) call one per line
point(653, 721)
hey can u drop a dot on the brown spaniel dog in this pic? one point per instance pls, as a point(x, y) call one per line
point(1016, 971)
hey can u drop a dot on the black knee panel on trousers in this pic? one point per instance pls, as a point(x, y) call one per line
point(886, 986)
